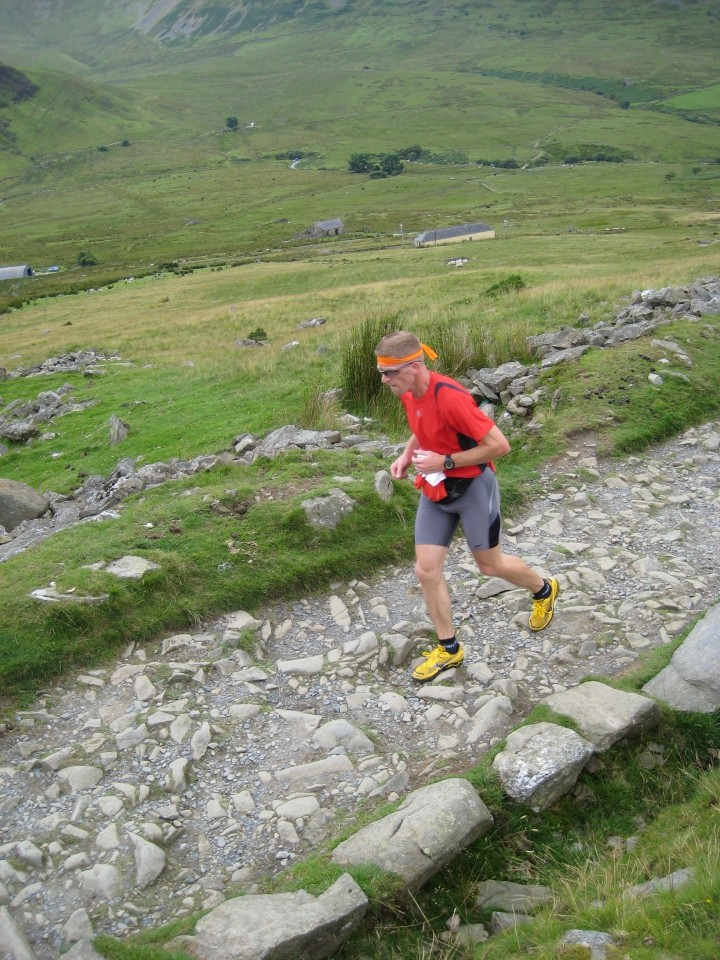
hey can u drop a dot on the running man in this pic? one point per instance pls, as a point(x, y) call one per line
point(453, 446)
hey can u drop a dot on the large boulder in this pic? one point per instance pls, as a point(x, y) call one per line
point(19, 502)
point(604, 715)
point(540, 763)
point(429, 828)
point(280, 926)
point(691, 681)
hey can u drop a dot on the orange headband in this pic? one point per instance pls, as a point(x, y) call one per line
point(396, 361)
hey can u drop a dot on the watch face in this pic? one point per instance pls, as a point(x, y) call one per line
point(449, 463)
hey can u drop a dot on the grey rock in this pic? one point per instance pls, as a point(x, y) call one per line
point(326, 512)
point(500, 922)
point(298, 807)
point(13, 943)
point(384, 485)
point(554, 357)
point(540, 763)
point(200, 741)
point(103, 880)
point(599, 943)
point(310, 772)
point(52, 595)
point(282, 926)
point(674, 881)
point(498, 378)
point(19, 502)
point(29, 853)
point(81, 777)
point(19, 431)
point(131, 568)
point(149, 861)
point(289, 437)
point(414, 841)
point(119, 429)
point(77, 927)
point(241, 620)
point(564, 339)
point(691, 681)
point(305, 667)
point(603, 714)
point(509, 897)
point(491, 718)
point(342, 733)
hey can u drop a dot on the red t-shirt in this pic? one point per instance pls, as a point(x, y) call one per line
point(446, 419)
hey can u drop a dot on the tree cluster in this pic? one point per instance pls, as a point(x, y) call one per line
point(378, 166)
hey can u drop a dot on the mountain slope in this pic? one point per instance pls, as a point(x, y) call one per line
point(517, 83)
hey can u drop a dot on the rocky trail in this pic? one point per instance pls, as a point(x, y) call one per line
point(151, 788)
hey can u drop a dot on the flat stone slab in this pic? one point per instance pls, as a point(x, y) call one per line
point(14, 944)
point(603, 714)
point(303, 667)
point(541, 762)
point(429, 828)
point(52, 595)
point(691, 681)
point(675, 881)
point(281, 926)
point(131, 568)
point(510, 897)
point(335, 763)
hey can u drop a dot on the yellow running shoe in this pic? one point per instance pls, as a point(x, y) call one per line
point(437, 660)
point(542, 611)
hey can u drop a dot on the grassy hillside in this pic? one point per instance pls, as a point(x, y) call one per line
point(117, 147)
point(512, 83)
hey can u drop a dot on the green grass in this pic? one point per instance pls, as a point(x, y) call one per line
point(256, 547)
point(186, 389)
point(389, 76)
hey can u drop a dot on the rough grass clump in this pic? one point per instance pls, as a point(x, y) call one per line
point(507, 285)
point(358, 367)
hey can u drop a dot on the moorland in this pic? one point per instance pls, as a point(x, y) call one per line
point(586, 134)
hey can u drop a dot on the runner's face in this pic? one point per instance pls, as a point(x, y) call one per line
point(399, 379)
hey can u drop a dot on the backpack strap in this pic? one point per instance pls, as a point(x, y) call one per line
point(464, 442)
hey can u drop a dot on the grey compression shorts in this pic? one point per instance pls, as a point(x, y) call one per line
point(478, 510)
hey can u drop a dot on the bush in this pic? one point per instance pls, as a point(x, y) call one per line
point(360, 163)
point(512, 282)
point(85, 259)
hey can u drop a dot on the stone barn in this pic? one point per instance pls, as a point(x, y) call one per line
point(325, 228)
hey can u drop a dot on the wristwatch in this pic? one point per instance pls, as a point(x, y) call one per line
point(449, 463)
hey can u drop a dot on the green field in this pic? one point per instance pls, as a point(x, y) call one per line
point(529, 83)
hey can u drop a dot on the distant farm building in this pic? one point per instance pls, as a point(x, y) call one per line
point(325, 228)
point(468, 231)
point(15, 273)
